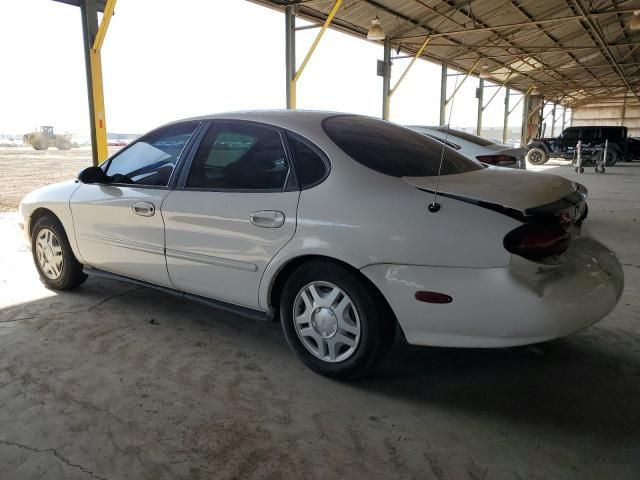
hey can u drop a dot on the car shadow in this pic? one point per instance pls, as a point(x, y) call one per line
point(587, 384)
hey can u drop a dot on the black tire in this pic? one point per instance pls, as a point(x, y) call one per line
point(377, 323)
point(41, 145)
point(612, 158)
point(63, 145)
point(71, 274)
point(537, 156)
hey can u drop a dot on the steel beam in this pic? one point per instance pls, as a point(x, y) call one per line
point(463, 80)
point(386, 79)
point(553, 120)
point(443, 94)
point(480, 95)
point(406, 70)
point(505, 120)
point(290, 52)
point(89, 15)
point(312, 49)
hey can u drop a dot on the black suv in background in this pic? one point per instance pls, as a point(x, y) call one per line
point(620, 147)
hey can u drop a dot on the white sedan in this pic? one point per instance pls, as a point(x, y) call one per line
point(477, 148)
point(330, 223)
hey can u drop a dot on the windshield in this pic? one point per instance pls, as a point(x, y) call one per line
point(394, 150)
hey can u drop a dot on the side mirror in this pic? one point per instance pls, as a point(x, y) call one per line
point(93, 175)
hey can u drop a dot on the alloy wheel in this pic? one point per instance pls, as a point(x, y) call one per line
point(327, 321)
point(49, 253)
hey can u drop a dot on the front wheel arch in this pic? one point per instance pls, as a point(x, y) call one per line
point(37, 214)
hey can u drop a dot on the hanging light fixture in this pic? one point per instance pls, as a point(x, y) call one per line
point(375, 30)
point(535, 90)
point(634, 24)
point(484, 72)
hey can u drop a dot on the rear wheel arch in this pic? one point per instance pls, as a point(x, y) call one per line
point(292, 265)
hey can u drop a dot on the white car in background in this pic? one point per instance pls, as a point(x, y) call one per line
point(330, 223)
point(477, 148)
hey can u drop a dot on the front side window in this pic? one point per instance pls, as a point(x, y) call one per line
point(151, 160)
point(394, 150)
point(239, 156)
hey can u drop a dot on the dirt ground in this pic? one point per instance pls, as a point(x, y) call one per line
point(114, 381)
point(24, 169)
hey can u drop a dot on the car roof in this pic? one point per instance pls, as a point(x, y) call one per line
point(280, 118)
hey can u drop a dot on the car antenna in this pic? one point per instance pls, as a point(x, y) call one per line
point(434, 206)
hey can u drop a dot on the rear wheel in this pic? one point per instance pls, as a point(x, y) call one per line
point(537, 156)
point(336, 323)
point(57, 265)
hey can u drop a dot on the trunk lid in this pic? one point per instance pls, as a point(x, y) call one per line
point(526, 192)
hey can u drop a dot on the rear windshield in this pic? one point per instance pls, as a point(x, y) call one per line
point(469, 137)
point(394, 150)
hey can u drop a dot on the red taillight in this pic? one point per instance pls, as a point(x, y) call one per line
point(497, 160)
point(537, 241)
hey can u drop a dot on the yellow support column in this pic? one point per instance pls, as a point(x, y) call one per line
point(312, 49)
point(98, 106)
point(96, 83)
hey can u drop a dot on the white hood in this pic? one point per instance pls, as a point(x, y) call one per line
point(511, 188)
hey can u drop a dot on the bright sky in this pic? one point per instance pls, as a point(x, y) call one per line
point(163, 60)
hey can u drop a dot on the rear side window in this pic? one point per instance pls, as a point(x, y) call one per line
point(394, 150)
point(311, 167)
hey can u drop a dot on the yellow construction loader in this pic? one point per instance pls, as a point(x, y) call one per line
point(45, 138)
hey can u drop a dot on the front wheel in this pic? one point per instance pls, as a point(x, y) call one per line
point(336, 323)
point(537, 156)
point(611, 159)
point(57, 265)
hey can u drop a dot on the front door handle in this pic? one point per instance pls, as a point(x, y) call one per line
point(267, 218)
point(144, 209)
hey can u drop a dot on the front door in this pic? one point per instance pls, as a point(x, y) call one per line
point(119, 226)
point(231, 214)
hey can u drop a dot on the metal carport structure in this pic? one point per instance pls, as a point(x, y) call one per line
point(569, 52)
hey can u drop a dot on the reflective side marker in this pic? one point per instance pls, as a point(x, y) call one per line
point(433, 297)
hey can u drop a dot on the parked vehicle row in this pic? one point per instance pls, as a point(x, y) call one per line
point(345, 228)
point(620, 146)
point(477, 148)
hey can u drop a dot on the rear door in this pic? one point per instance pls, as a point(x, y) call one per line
point(233, 210)
point(118, 225)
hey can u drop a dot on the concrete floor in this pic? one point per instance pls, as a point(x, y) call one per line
point(113, 381)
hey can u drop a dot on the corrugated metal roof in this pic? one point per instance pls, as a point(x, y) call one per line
point(575, 51)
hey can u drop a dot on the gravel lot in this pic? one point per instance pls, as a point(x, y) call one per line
point(23, 169)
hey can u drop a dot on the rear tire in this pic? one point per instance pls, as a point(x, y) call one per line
point(537, 156)
point(54, 259)
point(336, 323)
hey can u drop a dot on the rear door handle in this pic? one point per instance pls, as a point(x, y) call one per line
point(144, 209)
point(267, 218)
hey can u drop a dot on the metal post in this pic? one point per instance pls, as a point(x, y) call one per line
point(290, 51)
point(505, 120)
point(480, 95)
point(89, 14)
point(443, 94)
point(564, 116)
point(553, 120)
point(386, 79)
